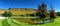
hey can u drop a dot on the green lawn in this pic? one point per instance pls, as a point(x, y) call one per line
point(5, 23)
point(13, 22)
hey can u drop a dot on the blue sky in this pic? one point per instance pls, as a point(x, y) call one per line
point(5, 4)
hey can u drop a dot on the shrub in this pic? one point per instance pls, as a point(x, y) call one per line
point(58, 13)
point(22, 15)
point(32, 15)
point(42, 16)
point(38, 14)
point(27, 14)
point(7, 14)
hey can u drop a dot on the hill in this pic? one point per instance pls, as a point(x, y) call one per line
point(22, 11)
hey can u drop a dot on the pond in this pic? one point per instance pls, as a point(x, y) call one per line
point(46, 21)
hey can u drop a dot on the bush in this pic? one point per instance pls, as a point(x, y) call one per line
point(27, 14)
point(42, 16)
point(58, 13)
point(22, 15)
point(7, 14)
point(32, 15)
point(38, 14)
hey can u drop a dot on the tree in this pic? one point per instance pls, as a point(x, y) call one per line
point(42, 17)
point(38, 11)
point(58, 13)
point(43, 8)
point(41, 12)
point(7, 14)
point(52, 14)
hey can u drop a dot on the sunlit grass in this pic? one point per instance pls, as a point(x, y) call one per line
point(56, 23)
point(13, 22)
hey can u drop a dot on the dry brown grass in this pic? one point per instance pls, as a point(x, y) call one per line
point(2, 11)
point(19, 11)
point(22, 11)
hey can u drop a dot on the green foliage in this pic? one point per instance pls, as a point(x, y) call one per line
point(38, 14)
point(27, 14)
point(32, 15)
point(58, 13)
point(7, 14)
point(22, 15)
point(43, 16)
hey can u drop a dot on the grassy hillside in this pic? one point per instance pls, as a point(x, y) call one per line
point(22, 11)
point(2, 11)
point(19, 11)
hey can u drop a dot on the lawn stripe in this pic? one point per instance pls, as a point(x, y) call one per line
point(22, 23)
point(1, 22)
point(14, 22)
point(5, 23)
point(11, 23)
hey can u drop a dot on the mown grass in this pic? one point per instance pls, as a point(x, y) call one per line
point(1, 22)
point(55, 23)
point(18, 23)
point(5, 23)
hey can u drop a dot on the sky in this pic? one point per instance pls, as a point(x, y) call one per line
point(5, 4)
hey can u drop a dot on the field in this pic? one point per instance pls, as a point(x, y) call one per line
point(13, 22)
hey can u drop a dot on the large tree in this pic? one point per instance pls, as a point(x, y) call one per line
point(52, 13)
point(41, 12)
